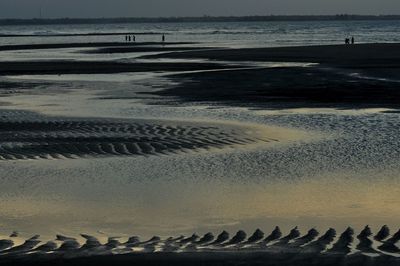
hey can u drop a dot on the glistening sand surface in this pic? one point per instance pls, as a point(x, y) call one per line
point(101, 190)
point(336, 168)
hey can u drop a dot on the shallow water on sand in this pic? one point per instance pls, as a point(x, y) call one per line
point(237, 34)
point(339, 168)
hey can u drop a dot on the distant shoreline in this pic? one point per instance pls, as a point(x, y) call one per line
point(58, 21)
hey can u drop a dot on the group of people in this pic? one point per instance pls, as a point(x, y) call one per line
point(349, 40)
point(132, 38)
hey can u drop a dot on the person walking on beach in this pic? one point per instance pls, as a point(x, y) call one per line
point(352, 40)
point(134, 38)
point(129, 38)
point(163, 38)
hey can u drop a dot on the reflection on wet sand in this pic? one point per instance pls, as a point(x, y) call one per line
point(199, 206)
point(320, 167)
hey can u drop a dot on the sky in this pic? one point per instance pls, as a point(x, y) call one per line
point(167, 8)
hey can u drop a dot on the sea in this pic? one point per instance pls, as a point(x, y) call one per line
point(237, 34)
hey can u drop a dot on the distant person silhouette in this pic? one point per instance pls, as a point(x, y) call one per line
point(134, 38)
point(347, 41)
point(352, 40)
point(163, 38)
point(129, 38)
point(126, 38)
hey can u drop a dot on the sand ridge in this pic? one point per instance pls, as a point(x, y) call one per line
point(276, 248)
point(61, 138)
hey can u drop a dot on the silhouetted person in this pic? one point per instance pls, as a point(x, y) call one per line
point(126, 38)
point(163, 38)
point(347, 41)
point(352, 40)
point(129, 38)
point(134, 38)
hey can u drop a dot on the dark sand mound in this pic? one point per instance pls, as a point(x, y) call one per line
point(284, 88)
point(188, 251)
point(360, 55)
point(83, 45)
point(15, 87)
point(96, 67)
point(141, 49)
point(77, 138)
point(366, 243)
point(345, 76)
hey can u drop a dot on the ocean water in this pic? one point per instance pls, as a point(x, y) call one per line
point(216, 33)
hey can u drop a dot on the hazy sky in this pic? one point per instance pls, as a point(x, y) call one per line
point(165, 8)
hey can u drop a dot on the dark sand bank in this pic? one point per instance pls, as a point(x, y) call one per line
point(141, 49)
point(84, 45)
point(96, 67)
point(11, 87)
point(285, 87)
point(354, 56)
point(345, 76)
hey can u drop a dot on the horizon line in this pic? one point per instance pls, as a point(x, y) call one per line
point(204, 18)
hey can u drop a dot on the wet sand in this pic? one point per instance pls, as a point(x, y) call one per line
point(286, 87)
point(127, 164)
point(85, 45)
point(359, 55)
point(345, 76)
point(143, 49)
point(349, 56)
point(97, 67)
point(54, 138)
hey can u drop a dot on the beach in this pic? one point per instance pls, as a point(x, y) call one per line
point(102, 142)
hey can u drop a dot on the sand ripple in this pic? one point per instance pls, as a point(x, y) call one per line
point(76, 138)
point(293, 247)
